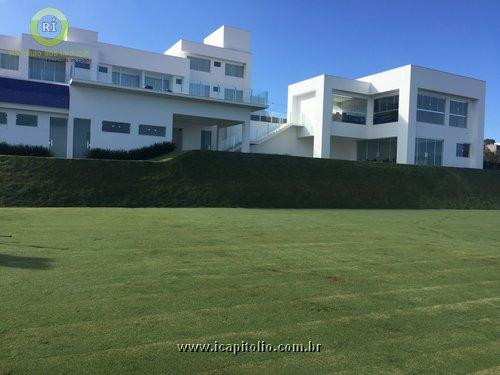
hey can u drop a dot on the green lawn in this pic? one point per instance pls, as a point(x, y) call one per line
point(115, 290)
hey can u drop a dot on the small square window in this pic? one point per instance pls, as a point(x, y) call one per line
point(217, 64)
point(216, 89)
point(463, 150)
point(103, 69)
point(178, 81)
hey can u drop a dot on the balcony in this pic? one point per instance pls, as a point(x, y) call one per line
point(124, 77)
point(231, 94)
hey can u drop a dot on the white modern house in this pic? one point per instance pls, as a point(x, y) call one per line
point(84, 93)
point(200, 96)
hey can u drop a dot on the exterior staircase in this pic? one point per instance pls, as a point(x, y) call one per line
point(235, 144)
point(271, 134)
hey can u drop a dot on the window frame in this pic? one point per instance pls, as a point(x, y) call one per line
point(439, 97)
point(396, 110)
point(44, 70)
point(144, 129)
point(11, 56)
point(229, 67)
point(351, 96)
point(195, 63)
point(27, 115)
point(435, 153)
point(461, 148)
point(4, 115)
point(465, 117)
point(106, 123)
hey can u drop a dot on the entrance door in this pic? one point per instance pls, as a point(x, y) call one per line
point(58, 138)
point(177, 138)
point(206, 140)
point(81, 137)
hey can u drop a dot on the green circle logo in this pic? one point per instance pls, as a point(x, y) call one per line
point(49, 27)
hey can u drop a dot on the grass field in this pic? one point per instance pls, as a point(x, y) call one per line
point(115, 290)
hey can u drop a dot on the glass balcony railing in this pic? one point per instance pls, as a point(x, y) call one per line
point(232, 94)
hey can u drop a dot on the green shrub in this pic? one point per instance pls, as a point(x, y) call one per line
point(24, 150)
point(143, 153)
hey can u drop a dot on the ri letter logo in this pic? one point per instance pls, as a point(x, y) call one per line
point(49, 27)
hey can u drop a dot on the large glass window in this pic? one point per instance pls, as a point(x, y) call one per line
point(157, 83)
point(380, 150)
point(233, 95)
point(386, 109)
point(196, 63)
point(198, 89)
point(125, 77)
point(458, 114)
point(9, 61)
point(428, 151)
point(430, 109)
point(463, 150)
point(349, 109)
point(235, 70)
point(47, 70)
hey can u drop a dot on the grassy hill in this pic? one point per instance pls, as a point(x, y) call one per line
point(219, 179)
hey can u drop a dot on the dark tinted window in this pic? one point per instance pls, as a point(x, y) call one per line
point(463, 150)
point(158, 131)
point(115, 127)
point(82, 65)
point(255, 117)
point(235, 70)
point(3, 118)
point(217, 64)
point(103, 69)
point(27, 120)
point(196, 63)
point(386, 110)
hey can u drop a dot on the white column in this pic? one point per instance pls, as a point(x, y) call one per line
point(245, 138)
point(142, 79)
point(322, 121)
point(69, 143)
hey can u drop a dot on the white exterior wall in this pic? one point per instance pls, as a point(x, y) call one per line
point(219, 46)
point(137, 107)
point(28, 135)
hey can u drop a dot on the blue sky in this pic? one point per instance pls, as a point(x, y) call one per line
point(293, 40)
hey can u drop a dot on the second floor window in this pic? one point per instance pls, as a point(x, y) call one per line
point(197, 63)
point(124, 77)
point(430, 109)
point(9, 61)
point(47, 70)
point(386, 110)
point(349, 109)
point(233, 70)
point(458, 114)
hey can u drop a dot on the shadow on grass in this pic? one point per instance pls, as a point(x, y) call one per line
point(15, 261)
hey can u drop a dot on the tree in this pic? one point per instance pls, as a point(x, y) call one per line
point(489, 141)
